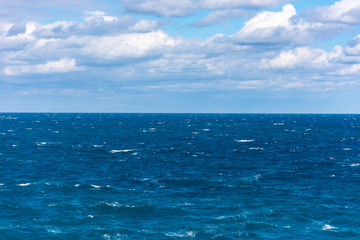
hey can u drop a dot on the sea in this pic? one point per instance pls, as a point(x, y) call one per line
point(179, 176)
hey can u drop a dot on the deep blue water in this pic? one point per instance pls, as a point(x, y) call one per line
point(179, 176)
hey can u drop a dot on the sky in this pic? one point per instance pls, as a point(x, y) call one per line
point(208, 56)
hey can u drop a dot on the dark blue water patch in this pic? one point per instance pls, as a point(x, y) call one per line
point(179, 176)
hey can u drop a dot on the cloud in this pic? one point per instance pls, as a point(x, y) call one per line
point(282, 28)
point(186, 7)
point(353, 48)
point(301, 57)
point(35, 10)
point(221, 16)
point(120, 47)
point(60, 66)
point(344, 11)
point(129, 45)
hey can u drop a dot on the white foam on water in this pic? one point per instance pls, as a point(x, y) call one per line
point(244, 140)
point(123, 150)
point(1, 184)
point(54, 230)
point(206, 130)
point(256, 148)
point(278, 124)
point(28, 128)
point(98, 146)
point(24, 184)
point(328, 227)
point(347, 149)
point(77, 185)
point(90, 216)
point(14, 145)
point(95, 186)
point(355, 165)
point(182, 235)
point(47, 184)
point(41, 143)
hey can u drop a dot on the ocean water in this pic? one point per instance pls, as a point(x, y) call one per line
point(179, 176)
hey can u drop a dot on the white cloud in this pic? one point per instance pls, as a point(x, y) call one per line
point(215, 4)
point(61, 66)
point(144, 26)
point(161, 7)
point(298, 57)
point(221, 16)
point(344, 11)
point(186, 7)
point(353, 49)
point(129, 45)
point(99, 16)
point(280, 28)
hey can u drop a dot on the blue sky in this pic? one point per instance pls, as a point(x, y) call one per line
point(239, 56)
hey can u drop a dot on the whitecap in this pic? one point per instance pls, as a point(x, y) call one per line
point(280, 124)
point(185, 234)
point(244, 140)
point(77, 185)
point(41, 143)
point(347, 149)
point(95, 186)
point(24, 184)
point(355, 165)
point(256, 148)
point(206, 130)
point(123, 150)
point(328, 227)
point(1, 184)
point(54, 230)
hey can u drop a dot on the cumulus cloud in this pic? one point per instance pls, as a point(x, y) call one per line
point(353, 48)
point(302, 57)
point(283, 28)
point(130, 45)
point(121, 46)
point(270, 27)
point(344, 11)
point(186, 7)
point(60, 66)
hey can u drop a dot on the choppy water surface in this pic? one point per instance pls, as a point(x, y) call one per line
point(179, 176)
